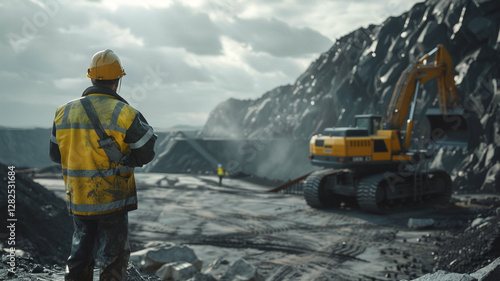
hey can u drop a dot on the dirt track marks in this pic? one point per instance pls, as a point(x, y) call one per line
point(280, 234)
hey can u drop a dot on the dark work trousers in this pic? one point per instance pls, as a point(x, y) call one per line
point(109, 237)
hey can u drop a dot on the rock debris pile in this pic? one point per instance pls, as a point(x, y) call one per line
point(43, 227)
point(476, 247)
point(178, 263)
point(174, 263)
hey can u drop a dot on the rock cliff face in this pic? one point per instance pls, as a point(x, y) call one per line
point(359, 72)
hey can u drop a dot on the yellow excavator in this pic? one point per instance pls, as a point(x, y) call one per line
point(372, 162)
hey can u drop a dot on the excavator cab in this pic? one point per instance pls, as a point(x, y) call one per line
point(370, 122)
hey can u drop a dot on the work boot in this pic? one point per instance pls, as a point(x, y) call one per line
point(87, 274)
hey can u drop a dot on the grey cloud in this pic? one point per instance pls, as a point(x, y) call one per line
point(60, 50)
point(37, 50)
point(173, 39)
point(277, 38)
point(169, 65)
point(176, 26)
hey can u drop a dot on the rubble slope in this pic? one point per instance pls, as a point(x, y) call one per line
point(43, 227)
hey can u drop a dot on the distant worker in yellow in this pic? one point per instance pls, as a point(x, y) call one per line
point(98, 139)
point(220, 173)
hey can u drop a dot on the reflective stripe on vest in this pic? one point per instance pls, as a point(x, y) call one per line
point(96, 173)
point(88, 126)
point(147, 136)
point(101, 208)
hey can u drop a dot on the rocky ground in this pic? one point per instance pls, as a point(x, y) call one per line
point(284, 239)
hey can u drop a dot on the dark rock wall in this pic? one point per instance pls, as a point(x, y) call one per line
point(359, 72)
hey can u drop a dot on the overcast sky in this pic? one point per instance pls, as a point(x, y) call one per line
point(182, 58)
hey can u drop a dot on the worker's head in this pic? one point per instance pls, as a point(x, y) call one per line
point(105, 69)
point(219, 166)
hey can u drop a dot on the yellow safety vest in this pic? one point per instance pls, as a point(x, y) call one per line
point(220, 171)
point(94, 185)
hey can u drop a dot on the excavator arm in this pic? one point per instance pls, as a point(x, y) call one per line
point(402, 106)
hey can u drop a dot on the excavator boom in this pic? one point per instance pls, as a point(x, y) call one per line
point(400, 115)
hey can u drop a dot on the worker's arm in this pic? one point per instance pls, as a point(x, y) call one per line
point(55, 154)
point(141, 139)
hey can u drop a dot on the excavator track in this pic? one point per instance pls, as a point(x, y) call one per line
point(371, 194)
point(315, 192)
point(442, 181)
point(381, 192)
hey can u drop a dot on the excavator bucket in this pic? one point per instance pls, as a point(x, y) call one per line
point(456, 130)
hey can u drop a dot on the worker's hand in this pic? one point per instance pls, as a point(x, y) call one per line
point(129, 160)
point(125, 160)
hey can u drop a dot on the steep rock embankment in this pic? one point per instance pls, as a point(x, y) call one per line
point(359, 72)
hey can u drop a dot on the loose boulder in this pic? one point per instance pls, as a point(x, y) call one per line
point(490, 272)
point(420, 223)
point(203, 277)
point(154, 259)
point(177, 271)
point(243, 271)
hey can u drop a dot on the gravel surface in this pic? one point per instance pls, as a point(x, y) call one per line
point(287, 240)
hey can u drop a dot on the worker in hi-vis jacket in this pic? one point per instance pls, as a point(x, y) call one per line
point(220, 173)
point(98, 169)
